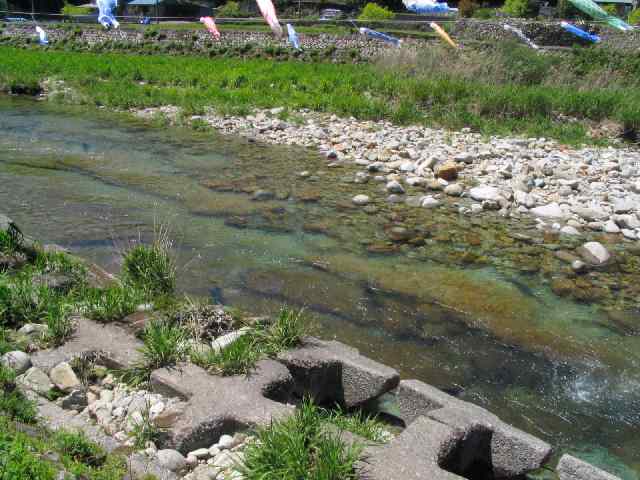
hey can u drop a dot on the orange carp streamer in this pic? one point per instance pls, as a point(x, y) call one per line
point(443, 35)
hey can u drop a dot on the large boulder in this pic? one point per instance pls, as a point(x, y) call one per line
point(18, 361)
point(571, 468)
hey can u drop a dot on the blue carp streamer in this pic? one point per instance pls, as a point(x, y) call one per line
point(293, 37)
point(578, 32)
point(380, 36)
point(105, 15)
point(428, 6)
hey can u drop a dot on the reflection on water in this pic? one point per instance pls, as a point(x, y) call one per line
point(499, 337)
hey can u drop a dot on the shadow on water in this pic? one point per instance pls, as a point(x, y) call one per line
point(483, 331)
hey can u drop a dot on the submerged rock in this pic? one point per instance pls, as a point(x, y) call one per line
point(594, 253)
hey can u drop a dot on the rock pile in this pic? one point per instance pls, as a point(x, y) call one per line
point(567, 190)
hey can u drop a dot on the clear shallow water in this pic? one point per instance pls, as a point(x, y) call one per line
point(497, 337)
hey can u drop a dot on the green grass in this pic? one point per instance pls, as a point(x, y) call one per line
point(165, 343)
point(358, 422)
point(9, 242)
point(491, 100)
point(237, 358)
point(111, 303)
point(285, 332)
point(29, 456)
point(13, 404)
point(299, 447)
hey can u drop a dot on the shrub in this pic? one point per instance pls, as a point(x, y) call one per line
point(150, 267)
point(611, 9)
point(78, 448)
point(634, 17)
point(231, 9)
point(519, 8)
point(19, 461)
point(373, 11)
point(484, 13)
point(466, 8)
point(71, 10)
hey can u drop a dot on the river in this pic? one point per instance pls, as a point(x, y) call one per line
point(448, 306)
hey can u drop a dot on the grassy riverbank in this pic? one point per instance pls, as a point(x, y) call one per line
point(511, 90)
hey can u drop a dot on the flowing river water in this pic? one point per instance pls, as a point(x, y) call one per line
point(462, 304)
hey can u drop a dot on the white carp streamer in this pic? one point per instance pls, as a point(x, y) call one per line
point(211, 26)
point(293, 37)
point(269, 13)
point(44, 39)
point(521, 36)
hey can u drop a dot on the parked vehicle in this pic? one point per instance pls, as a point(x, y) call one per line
point(331, 14)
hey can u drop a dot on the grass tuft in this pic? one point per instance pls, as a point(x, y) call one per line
point(360, 423)
point(165, 343)
point(151, 268)
point(299, 447)
point(13, 403)
point(111, 303)
point(237, 358)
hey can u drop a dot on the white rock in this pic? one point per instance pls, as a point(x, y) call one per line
point(63, 376)
point(16, 360)
point(483, 193)
point(394, 186)
point(551, 210)
point(171, 460)
point(225, 459)
point(200, 453)
point(594, 253)
point(476, 208)
point(630, 234)
point(225, 442)
point(624, 205)
point(361, 200)
point(454, 190)
point(36, 380)
point(611, 227)
point(568, 230)
point(429, 202)
point(224, 341)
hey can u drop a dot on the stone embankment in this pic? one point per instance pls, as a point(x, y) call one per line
point(569, 191)
point(544, 33)
point(205, 418)
point(199, 41)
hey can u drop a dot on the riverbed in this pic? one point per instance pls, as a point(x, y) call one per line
point(465, 304)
